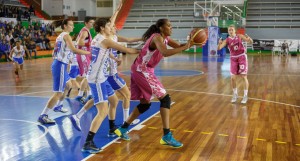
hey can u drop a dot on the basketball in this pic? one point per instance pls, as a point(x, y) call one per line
point(198, 36)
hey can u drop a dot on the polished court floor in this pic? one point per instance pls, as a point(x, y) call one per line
point(202, 117)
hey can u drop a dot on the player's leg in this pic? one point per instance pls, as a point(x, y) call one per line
point(234, 71)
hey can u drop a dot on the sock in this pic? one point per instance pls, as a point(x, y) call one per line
point(234, 91)
point(45, 111)
point(80, 93)
point(111, 124)
point(166, 131)
point(59, 102)
point(245, 92)
point(125, 114)
point(125, 125)
point(80, 113)
point(90, 136)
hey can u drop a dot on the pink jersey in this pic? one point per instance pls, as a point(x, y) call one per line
point(144, 83)
point(235, 45)
point(147, 60)
point(84, 61)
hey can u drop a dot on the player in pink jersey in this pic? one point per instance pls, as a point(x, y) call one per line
point(83, 41)
point(238, 60)
point(144, 83)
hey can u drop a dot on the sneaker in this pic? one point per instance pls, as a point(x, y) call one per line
point(170, 141)
point(111, 133)
point(80, 99)
point(90, 147)
point(245, 99)
point(234, 98)
point(43, 119)
point(136, 121)
point(88, 98)
point(60, 108)
point(75, 122)
point(122, 133)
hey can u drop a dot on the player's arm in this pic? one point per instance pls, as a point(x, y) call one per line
point(222, 43)
point(114, 16)
point(115, 59)
point(81, 38)
point(10, 54)
point(68, 40)
point(111, 44)
point(126, 39)
point(162, 48)
point(246, 38)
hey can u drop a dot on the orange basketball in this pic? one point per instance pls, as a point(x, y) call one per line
point(198, 36)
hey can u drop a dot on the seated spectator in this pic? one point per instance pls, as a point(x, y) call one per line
point(4, 49)
point(46, 42)
point(284, 47)
point(39, 42)
point(31, 46)
point(31, 9)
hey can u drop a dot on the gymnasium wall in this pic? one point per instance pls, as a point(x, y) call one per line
point(273, 33)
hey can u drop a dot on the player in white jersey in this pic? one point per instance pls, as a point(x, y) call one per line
point(73, 73)
point(16, 55)
point(62, 52)
point(97, 78)
point(117, 83)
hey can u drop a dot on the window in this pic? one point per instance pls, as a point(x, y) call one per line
point(104, 3)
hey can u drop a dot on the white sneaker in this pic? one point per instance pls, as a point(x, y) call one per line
point(245, 99)
point(234, 98)
point(136, 121)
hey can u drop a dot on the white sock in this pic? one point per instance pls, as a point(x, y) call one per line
point(245, 92)
point(80, 93)
point(59, 103)
point(80, 113)
point(45, 111)
point(125, 114)
point(235, 91)
point(89, 92)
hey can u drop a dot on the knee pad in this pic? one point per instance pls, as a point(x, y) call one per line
point(143, 107)
point(166, 102)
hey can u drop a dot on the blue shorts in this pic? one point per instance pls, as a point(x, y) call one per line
point(19, 60)
point(59, 75)
point(74, 71)
point(101, 91)
point(116, 82)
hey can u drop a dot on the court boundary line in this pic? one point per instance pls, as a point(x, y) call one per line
point(31, 122)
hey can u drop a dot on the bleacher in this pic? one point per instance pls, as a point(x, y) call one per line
point(144, 13)
point(273, 14)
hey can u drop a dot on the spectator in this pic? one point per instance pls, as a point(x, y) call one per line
point(31, 46)
point(31, 9)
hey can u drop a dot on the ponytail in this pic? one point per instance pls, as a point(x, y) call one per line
point(61, 23)
point(155, 28)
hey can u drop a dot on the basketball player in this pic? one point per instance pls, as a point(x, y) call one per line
point(117, 83)
point(84, 40)
point(97, 78)
point(16, 55)
point(61, 55)
point(238, 60)
point(144, 83)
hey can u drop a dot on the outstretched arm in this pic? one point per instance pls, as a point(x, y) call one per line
point(126, 39)
point(246, 38)
point(222, 43)
point(68, 40)
point(114, 16)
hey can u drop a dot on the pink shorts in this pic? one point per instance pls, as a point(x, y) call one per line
point(238, 64)
point(145, 85)
point(84, 62)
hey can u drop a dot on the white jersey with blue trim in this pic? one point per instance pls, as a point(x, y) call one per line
point(18, 53)
point(99, 67)
point(61, 50)
point(113, 64)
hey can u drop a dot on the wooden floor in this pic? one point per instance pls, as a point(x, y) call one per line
point(202, 118)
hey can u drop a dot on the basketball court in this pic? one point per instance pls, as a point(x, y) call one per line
point(202, 116)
